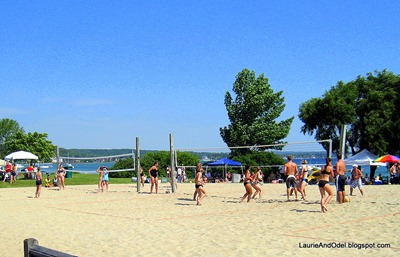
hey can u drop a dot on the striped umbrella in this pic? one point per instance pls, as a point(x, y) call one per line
point(387, 158)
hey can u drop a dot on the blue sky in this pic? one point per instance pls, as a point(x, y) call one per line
point(98, 74)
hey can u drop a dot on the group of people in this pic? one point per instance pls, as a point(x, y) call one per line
point(252, 181)
point(10, 172)
point(58, 181)
point(296, 181)
point(153, 175)
point(199, 193)
point(328, 173)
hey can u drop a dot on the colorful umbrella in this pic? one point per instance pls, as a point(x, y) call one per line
point(387, 158)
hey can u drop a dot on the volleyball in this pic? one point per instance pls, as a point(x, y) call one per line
point(346, 199)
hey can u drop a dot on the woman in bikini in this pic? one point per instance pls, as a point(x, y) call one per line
point(153, 173)
point(100, 186)
point(199, 184)
point(257, 183)
point(324, 186)
point(247, 184)
point(61, 176)
point(303, 177)
point(38, 183)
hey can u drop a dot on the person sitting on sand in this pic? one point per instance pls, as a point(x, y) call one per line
point(55, 181)
point(229, 177)
point(324, 186)
point(47, 180)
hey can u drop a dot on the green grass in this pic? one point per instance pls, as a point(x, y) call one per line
point(77, 179)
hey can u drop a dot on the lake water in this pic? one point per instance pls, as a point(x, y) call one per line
point(89, 168)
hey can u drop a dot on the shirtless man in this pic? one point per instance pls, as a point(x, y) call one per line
point(340, 179)
point(394, 174)
point(290, 171)
point(356, 176)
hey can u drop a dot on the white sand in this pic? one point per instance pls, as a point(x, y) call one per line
point(122, 222)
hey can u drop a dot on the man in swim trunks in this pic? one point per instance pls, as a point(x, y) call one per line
point(356, 176)
point(290, 171)
point(340, 179)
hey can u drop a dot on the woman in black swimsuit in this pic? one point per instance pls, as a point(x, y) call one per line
point(247, 184)
point(153, 173)
point(324, 186)
point(38, 183)
point(199, 184)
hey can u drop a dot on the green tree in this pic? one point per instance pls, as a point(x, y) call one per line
point(36, 143)
point(367, 105)
point(126, 163)
point(188, 159)
point(325, 116)
point(262, 159)
point(253, 113)
point(378, 117)
point(8, 128)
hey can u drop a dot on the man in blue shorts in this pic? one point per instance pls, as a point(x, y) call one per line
point(340, 179)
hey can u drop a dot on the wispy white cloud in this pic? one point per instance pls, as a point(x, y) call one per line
point(79, 102)
point(90, 102)
point(14, 111)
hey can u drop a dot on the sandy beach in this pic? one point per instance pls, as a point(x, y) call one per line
point(123, 222)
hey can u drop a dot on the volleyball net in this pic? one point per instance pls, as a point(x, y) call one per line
point(313, 151)
point(69, 161)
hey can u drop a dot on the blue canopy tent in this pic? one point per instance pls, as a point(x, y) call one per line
point(225, 162)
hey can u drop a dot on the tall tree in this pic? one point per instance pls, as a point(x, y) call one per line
point(324, 116)
point(8, 128)
point(367, 105)
point(378, 116)
point(253, 113)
